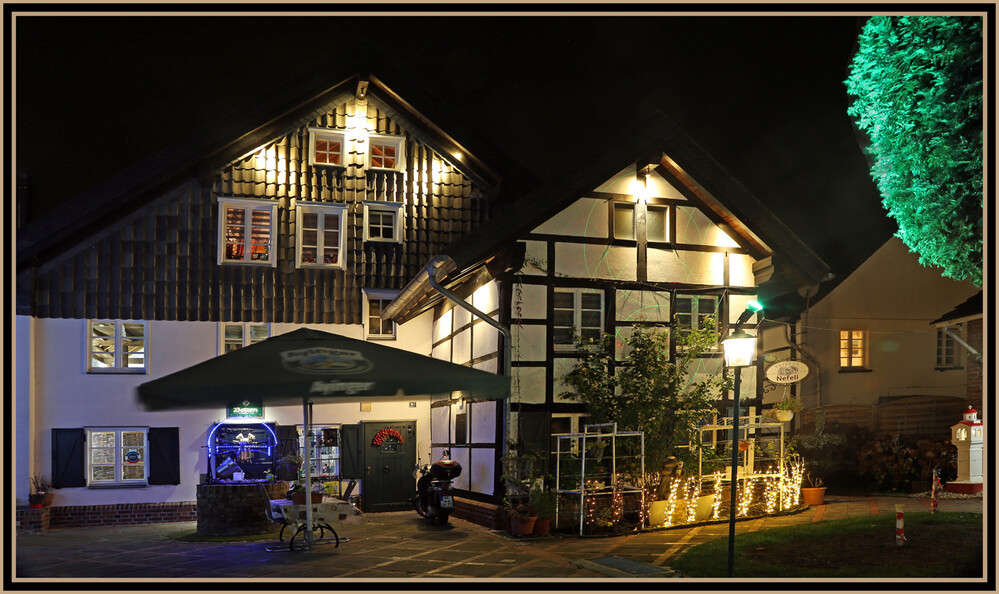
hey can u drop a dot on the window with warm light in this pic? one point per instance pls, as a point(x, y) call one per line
point(327, 147)
point(319, 235)
point(116, 346)
point(383, 221)
point(853, 349)
point(385, 152)
point(579, 309)
point(117, 456)
point(246, 231)
point(236, 335)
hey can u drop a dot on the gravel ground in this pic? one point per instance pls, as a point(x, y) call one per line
point(948, 495)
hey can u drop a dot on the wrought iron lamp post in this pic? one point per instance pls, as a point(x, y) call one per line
point(739, 350)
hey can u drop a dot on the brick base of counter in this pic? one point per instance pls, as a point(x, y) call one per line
point(72, 516)
point(483, 514)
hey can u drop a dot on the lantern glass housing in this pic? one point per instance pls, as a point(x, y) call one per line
point(739, 349)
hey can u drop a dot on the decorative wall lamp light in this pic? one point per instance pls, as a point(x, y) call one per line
point(739, 350)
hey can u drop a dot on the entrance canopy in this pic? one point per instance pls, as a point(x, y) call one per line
point(318, 366)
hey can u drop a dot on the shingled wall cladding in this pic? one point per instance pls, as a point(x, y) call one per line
point(162, 264)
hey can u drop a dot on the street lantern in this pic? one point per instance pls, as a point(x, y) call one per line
point(739, 350)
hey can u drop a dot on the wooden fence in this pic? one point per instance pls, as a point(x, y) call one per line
point(912, 416)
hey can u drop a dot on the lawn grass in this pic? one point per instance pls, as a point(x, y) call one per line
point(937, 545)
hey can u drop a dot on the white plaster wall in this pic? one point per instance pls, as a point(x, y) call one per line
point(895, 299)
point(626, 182)
point(596, 261)
point(24, 462)
point(529, 342)
point(532, 302)
point(68, 397)
point(706, 268)
point(694, 227)
point(644, 306)
point(535, 258)
point(586, 217)
point(528, 384)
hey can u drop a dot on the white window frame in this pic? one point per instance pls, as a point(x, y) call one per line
point(248, 206)
point(947, 343)
point(119, 364)
point(118, 456)
point(380, 295)
point(577, 314)
point(321, 209)
point(327, 134)
point(398, 142)
point(246, 339)
point(395, 208)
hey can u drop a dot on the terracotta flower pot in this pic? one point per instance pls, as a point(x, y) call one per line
point(522, 526)
point(813, 495)
point(542, 526)
point(299, 498)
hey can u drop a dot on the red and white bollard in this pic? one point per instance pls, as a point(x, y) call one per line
point(899, 526)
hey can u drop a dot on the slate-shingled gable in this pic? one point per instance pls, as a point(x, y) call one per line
point(159, 261)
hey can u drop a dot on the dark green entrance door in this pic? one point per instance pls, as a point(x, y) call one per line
point(389, 454)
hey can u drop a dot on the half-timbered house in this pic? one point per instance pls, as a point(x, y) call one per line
point(360, 208)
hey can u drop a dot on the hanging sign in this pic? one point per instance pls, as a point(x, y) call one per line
point(786, 372)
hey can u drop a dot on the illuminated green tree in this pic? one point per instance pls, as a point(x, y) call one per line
point(918, 88)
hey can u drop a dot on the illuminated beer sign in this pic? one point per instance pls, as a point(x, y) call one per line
point(786, 372)
point(245, 409)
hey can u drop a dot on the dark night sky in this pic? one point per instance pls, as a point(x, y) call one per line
point(763, 94)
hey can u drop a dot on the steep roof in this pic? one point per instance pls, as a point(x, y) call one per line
point(681, 161)
point(970, 309)
point(197, 156)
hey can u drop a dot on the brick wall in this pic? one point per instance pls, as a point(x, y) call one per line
point(483, 514)
point(67, 516)
point(33, 520)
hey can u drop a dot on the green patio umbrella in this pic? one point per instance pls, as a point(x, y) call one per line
point(309, 365)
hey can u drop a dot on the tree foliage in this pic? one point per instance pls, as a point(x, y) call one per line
point(650, 392)
point(918, 88)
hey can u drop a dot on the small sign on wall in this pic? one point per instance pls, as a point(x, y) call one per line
point(786, 372)
point(245, 408)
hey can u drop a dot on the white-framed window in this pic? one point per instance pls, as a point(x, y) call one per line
point(117, 456)
point(946, 349)
point(247, 231)
point(693, 310)
point(327, 147)
point(853, 349)
point(579, 309)
point(319, 235)
point(383, 221)
point(624, 221)
point(386, 152)
point(116, 346)
point(236, 335)
point(375, 302)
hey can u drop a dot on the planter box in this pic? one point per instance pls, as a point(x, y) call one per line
point(299, 498)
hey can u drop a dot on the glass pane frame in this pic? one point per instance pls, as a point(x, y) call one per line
point(320, 231)
point(327, 147)
point(853, 349)
point(383, 222)
point(587, 315)
point(255, 243)
point(236, 335)
point(117, 457)
point(386, 152)
point(117, 346)
point(375, 328)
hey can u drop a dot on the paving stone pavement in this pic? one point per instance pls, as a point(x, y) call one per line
point(391, 545)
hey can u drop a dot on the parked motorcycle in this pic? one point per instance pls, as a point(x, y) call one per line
point(433, 497)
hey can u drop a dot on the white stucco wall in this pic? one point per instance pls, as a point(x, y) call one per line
point(66, 396)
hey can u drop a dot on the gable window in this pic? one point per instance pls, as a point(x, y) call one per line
point(383, 221)
point(116, 346)
point(319, 235)
point(624, 221)
point(117, 456)
point(236, 335)
point(326, 147)
point(385, 152)
point(692, 311)
point(946, 350)
point(246, 229)
point(580, 309)
point(375, 303)
point(655, 225)
point(853, 349)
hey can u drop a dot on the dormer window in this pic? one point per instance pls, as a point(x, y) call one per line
point(383, 221)
point(326, 147)
point(385, 152)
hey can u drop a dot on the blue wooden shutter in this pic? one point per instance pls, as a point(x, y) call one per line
point(68, 461)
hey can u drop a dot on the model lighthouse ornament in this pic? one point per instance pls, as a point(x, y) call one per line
point(967, 436)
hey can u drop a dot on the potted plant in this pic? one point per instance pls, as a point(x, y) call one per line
point(784, 410)
point(297, 494)
point(522, 519)
point(288, 466)
point(544, 503)
point(815, 492)
point(43, 495)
